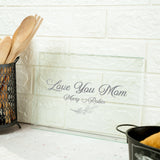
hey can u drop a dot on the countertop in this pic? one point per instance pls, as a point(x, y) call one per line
point(31, 143)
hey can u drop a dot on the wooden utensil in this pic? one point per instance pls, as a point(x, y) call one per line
point(29, 38)
point(20, 35)
point(5, 46)
point(20, 41)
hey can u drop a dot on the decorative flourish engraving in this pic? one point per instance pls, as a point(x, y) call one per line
point(85, 110)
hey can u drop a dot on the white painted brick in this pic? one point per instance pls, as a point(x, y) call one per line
point(50, 112)
point(24, 78)
point(52, 45)
point(129, 82)
point(81, 22)
point(68, 77)
point(152, 92)
point(30, 55)
point(52, 60)
point(102, 119)
point(153, 60)
point(93, 62)
point(134, 23)
point(75, 2)
point(155, 1)
point(2, 3)
point(45, 44)
point(26, 107)
point(41, 110)
point(108, 63)
point(127, 48)
point(151, 116)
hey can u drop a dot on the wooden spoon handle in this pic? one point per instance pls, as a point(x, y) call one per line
point(21, 34)
point(27, 42)
point(5, 47)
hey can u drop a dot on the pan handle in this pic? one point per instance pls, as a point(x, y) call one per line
point(124, 125)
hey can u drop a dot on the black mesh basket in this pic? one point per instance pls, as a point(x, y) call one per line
point(8, 95)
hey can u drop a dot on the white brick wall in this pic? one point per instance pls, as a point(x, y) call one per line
point(68, 21)
point(105, 41)
point(155, 2)
point(75, 2)
point(107, 47)
point(134, 23)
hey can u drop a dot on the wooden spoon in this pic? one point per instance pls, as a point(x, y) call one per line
point(29, 38)
point(5, 46)
point(20, 35)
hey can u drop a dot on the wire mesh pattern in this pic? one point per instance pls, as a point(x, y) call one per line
point(8, 99)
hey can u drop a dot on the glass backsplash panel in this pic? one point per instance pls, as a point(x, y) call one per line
point(85, 93)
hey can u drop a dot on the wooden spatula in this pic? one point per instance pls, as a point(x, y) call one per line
point(5, 46)
point(20, 35)
point(29, 38)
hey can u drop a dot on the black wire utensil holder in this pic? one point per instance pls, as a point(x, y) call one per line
point(8, 95)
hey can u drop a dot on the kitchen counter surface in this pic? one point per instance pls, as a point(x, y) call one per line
point(31, 143)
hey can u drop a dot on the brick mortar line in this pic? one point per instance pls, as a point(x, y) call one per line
point(61, 37)
point(102, 7)
point(150, 2)
point(106, 24)
point(144, 88)
point(80, 5)
point(146, 56)
point(72, 37)
point(92, 38)
point(33, 80)
point(118, 38)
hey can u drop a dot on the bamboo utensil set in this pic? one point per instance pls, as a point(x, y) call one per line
point(10, 49)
